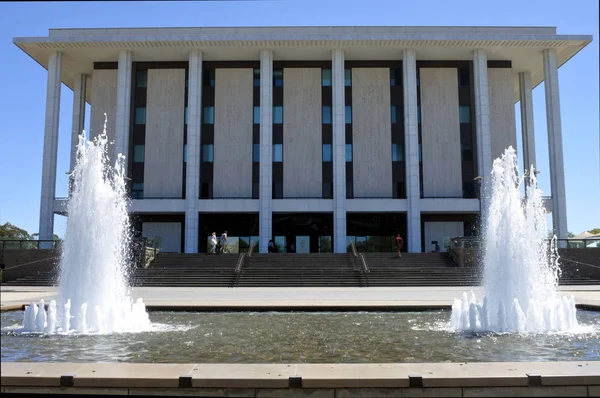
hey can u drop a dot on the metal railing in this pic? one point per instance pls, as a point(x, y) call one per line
point(360, 265)
point(22, 244)
point(239, 267)
point(474, 242)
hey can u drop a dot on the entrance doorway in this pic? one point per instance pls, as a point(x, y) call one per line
point(303, 232)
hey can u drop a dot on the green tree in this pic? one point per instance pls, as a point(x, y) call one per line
point(595, 231)
point(9, 231)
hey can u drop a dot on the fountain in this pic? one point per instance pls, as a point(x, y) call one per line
point(93, 292)
point(520, 265)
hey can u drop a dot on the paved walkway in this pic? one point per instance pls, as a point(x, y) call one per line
point(200, 298)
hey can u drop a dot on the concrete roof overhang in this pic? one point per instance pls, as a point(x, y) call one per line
point(521, 45)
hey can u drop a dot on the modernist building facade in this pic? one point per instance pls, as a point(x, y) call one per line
point(311, 136)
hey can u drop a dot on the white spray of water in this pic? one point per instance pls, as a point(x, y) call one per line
point(93, 267)
point(520, 265)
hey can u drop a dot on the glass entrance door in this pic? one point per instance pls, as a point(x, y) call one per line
point(302, 244)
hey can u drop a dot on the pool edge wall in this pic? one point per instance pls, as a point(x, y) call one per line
point(304, 380)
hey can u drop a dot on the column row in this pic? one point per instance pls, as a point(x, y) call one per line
point(411, 150)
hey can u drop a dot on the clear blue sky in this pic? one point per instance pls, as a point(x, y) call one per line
point(23, 81)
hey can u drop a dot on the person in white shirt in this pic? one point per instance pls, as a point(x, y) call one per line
point(213, 243)
point(224, 242)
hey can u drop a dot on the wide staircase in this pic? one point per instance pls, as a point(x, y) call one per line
point(201, 270)
point(299, 270)
point(306, 270)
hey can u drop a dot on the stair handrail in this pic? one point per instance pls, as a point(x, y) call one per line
point(353, 245)
point(365, 269)
point(250, 248)
point(238, 270)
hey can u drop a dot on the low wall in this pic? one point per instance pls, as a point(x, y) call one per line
point(20, 263)
point(584, 261)
point(492, 379)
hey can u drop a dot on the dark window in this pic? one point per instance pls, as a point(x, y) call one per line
point(326, 152)
point(467, 152)
point(348, 77)
point(348, 152)
point(277, 114)
point(277, 77)
point(256, 116)
point(140, 115)
point(256, 153)
point(397, 153)
point(326, 77)
point(326, 115)
point(327, 190)
point(137, 190)
point(278, 153)
point(209, 77)
point(463, 77)
point(205, 190)
point(349, 190)
point(395, 77)
point(348, 113)
point(185, 153)
point(185, 115)
point(464, 114)
point(138, 153)
point(277, 190)
point(256, 77)
point(208, 115)
point(208, 153)
point(394, 119)
point(141, 78)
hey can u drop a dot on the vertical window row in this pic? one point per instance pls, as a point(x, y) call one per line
point(137, 152)
point(348, 133)
point(256, 134)
point(327, 134)
point(420, 129)
point(207, 135)
point(185, 133)
point(397, 121)
point(278, 133)
point(467, 132)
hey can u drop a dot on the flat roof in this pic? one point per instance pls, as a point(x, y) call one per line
point(521, 45)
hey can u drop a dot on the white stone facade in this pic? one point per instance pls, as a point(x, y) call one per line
point(435, 182)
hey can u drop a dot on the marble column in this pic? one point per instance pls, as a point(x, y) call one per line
point(527, 131)
point(411, 141)
point(192, 170)
point(123, 105)
point(266, 150)
point(78, 123)
point(50, 152)
point(339, 151)
point(555, 146)
point(482, 125)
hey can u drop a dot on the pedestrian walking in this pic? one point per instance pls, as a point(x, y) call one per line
point(399, 245)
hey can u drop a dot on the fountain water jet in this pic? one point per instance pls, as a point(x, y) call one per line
point(93, 267)
point(520, 265)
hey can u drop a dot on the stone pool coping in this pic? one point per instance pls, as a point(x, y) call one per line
point(291, 299)
point(304, 380)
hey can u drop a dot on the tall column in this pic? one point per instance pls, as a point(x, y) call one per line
point(50, 147)
point(123, 105)
point(411, 134)
point(192, 171)
point(78, 123)
point(482, 124)
point(527, 132)
point(555, 147)
point(339, 151)
point(266, 150)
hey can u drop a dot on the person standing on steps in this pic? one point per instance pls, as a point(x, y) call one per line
point(224, 242)
point(271, 246)
point(213, 243)
point(399, 245)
